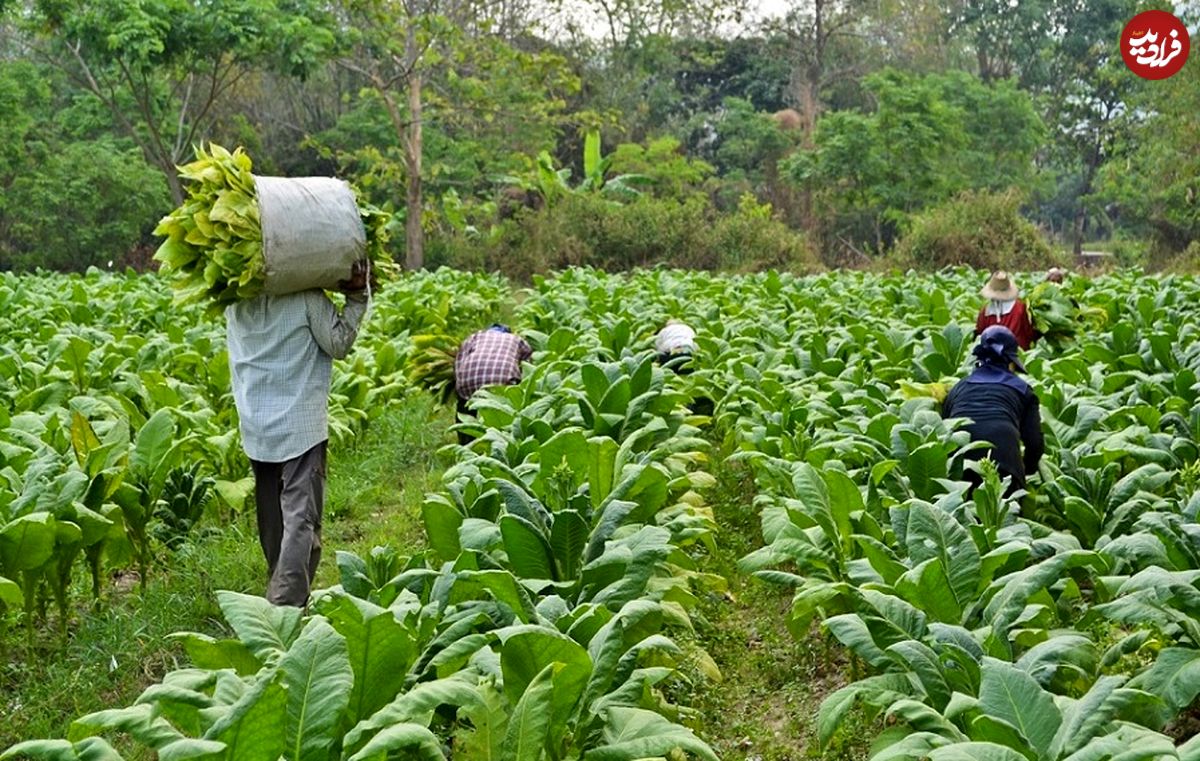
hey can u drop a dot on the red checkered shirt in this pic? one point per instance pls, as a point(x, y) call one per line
point(489, 358)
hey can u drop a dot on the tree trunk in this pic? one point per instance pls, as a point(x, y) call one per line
point(816, 69)
point(173, 183)
point(1089, 177)
point(810, 107)
point(1077, 232)
point(414, 235)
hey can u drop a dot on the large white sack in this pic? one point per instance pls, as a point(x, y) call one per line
point(312, 232)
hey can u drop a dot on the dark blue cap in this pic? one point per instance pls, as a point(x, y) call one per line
point(998, 344)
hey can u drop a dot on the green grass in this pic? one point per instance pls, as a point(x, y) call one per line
point(376, 489)
point(765, 707)
point(373, 497)
point(114, 652)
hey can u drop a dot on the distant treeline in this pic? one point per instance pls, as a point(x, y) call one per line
point(839, 134)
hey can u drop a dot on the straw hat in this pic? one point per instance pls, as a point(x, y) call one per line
point(1001, 287)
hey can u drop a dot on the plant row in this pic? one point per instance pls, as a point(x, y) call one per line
point(1058, 626)
point(563, 554)
point(118, 432)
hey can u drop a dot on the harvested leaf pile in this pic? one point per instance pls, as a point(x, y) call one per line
point(432, 364)
point(214, 241)
point(1059, 318)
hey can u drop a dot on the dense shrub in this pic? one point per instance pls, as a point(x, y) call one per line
point(982, 230)
point(586, 230)
point(91, 203)
point(752, 239)
point(1128, 252)
point(1186, 262)
point(673, 173)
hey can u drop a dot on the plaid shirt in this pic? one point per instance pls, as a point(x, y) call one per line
point(281, 352)
point(489, 358)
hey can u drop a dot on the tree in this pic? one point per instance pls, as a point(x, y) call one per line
point(1003, 129)
point(672, 173)
point(627, 24)
point(1155, 173)
point(434, 59)
point(275, 116)
point(24, 97)
point(396, 41)
point(753, 68)
point(1006, 37)
point(738, 140)
point(88, 203)
point(25, 102)
point(67, 200)
point(1087, 88)
point(647, 72)
point(813, 33)
point(161, 66)
point(928, 139)
point(917, 36)
point(1066, 54)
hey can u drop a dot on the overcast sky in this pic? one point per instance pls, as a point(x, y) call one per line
point(769, 8)
point(594, 26)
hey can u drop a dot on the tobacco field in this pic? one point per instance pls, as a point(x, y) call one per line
point(554, 611)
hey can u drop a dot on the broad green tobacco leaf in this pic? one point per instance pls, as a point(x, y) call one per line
point(1174, 676)
point(1011, 695)
point(317, 674)
point(975, 751)
point(634, 733)
point(10, 592)
point(27, 542)
point(381, 649)
point(253, 728)
point(266, 629)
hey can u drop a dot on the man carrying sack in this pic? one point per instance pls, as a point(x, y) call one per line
point(267, 249)
point(281, 352)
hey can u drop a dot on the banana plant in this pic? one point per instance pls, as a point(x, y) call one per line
point(552, 184)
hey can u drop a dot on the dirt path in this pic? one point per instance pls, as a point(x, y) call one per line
point(765, 707)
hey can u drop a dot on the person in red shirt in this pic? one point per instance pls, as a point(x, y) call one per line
point(1005, 308)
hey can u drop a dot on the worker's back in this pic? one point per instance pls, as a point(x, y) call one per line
point(1003, 410)
point(992, 401)
point(280, 375)
point(490, 357)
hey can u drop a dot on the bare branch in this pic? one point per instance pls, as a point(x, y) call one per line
point(351, 66)
point(833, 76)
point(187, 97)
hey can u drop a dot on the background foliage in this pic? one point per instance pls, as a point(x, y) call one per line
point(850, 120)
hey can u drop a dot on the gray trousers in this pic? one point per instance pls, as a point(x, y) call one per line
point(290, 497)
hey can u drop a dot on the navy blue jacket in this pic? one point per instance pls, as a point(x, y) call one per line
point(1004, 411)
